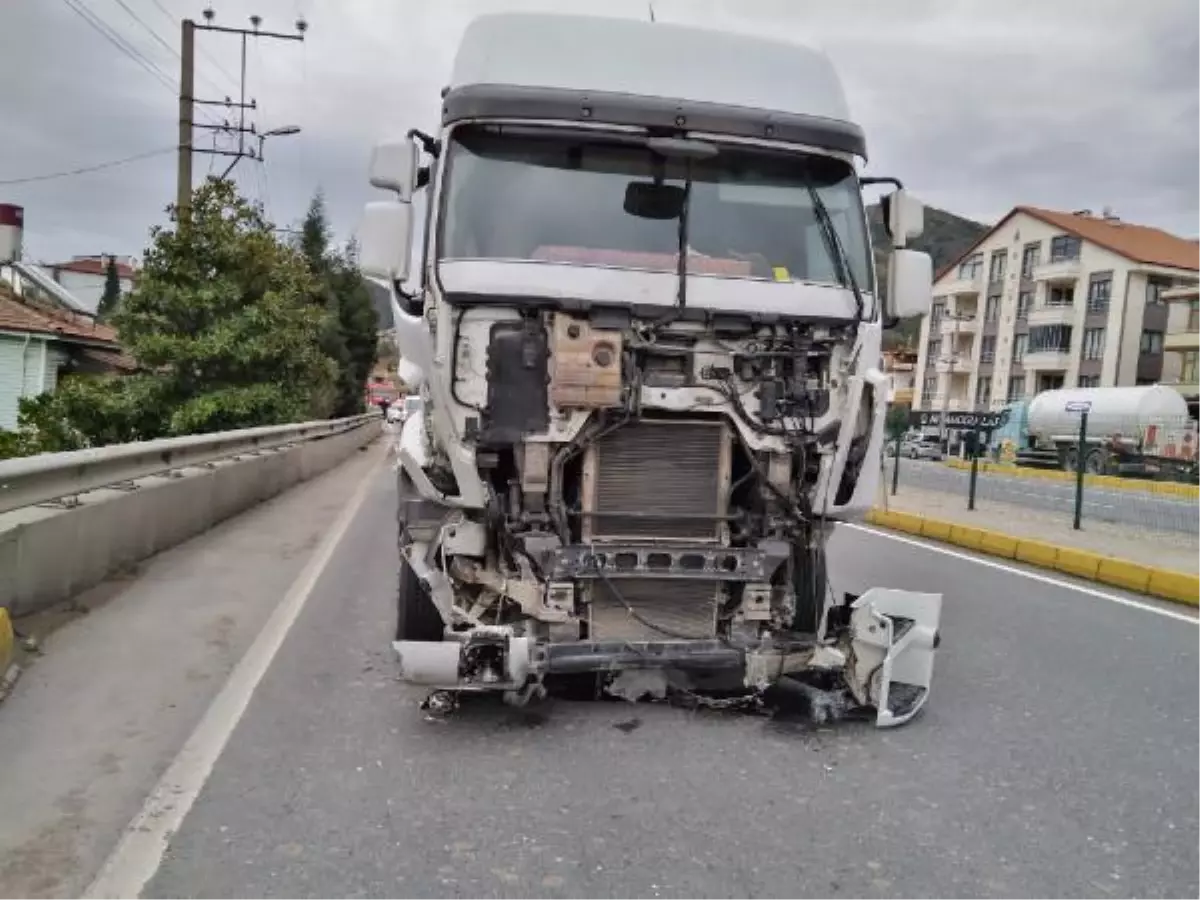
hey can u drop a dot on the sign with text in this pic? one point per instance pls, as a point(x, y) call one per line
point(1079, 406)
point(983, 421)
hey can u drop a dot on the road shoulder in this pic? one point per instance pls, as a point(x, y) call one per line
point(87, 732)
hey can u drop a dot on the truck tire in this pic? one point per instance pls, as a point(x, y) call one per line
point(810, 586)
point(417, 619)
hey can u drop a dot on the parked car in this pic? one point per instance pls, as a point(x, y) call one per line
point(926, 446)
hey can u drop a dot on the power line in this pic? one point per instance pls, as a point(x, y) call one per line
point(154, 34)
point(83, 170)
point(120, 43)
point(174, 21)
point(111, 35)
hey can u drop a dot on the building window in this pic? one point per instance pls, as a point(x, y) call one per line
point(1051, 382)
point(1191, 362)
point(1152, 343)
point(935, 352)
point(1016, 388)
point(996, 267)
point(1093, 343)
point(1089, 381)
point(1058, 296)
point(1099, 293)
point(992, 310)
point(1030, 257)
point(1050, 339)
point(929, 387)
point(987, 349)
point(1024, 304)
point(1154, 289)
point(983, 391)
point(970, 267)
point(1020, 345)
point(1193, 322)
point(1063, 247)
point(936, 312)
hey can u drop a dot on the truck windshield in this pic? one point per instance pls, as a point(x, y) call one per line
point(537, 194)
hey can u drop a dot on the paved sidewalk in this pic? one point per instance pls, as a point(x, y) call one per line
point(1168, 549)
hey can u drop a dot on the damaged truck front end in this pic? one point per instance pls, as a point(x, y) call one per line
point(648, 339)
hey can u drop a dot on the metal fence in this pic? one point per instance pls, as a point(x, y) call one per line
point(54, 476)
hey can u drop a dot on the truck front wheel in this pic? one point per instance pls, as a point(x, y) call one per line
point(417, 619)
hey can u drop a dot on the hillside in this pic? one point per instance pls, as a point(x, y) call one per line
point(946, 237)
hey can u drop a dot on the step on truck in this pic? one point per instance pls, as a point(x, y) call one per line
point(646, 327)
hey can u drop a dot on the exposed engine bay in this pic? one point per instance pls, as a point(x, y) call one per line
point(658, 499)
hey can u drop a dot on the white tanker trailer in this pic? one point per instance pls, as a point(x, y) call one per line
point(1144, 431)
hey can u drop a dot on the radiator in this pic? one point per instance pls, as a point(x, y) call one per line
point(657, 480)
point(671, 610)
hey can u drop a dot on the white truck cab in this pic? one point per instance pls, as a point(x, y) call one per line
point(647, 332)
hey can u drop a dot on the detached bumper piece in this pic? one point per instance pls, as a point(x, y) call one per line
point(882, 658)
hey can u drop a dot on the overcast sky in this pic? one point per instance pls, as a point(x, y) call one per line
point(976, 106)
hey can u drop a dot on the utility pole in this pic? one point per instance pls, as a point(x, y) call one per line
point(188, 101)
point(187, 70)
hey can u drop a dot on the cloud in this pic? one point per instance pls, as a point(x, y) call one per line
point(977, 107)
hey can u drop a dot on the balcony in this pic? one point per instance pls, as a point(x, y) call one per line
point(1048, 314)
point(962, 286)
point(1181, 340)
point(951, 325)
point(954, 365)
point(1050, 360)
point(1057, 271)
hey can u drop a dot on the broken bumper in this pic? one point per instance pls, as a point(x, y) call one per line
point(882, 657)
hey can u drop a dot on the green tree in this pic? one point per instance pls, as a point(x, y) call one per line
point(896, 422)
point(111, 297)
point(350, 336)
point(226, 326)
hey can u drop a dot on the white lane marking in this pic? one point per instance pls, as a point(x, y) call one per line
point(140, 851)
point(1036, 576)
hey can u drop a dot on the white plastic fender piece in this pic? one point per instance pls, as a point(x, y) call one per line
point(894, 635)
point(436, 663)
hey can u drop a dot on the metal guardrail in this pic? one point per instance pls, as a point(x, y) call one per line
point(53, 476)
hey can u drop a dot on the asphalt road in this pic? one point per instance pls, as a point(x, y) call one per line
point(1139, 508)
point(1058, 757)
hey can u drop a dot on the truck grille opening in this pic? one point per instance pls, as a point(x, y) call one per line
point(671, 610)
point(658, 480)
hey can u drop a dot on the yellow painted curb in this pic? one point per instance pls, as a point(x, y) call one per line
point(1122, 574)
point(1037, 553)
point(998, 544)
point(1083, 563)
point(1181, 587)
point(966, 536)
point(6, 641)
point(1163, 488)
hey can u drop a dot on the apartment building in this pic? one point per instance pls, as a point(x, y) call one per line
point(1050, 299)
point(1182, 343)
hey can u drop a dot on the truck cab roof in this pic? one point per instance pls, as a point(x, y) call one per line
point(629, 72)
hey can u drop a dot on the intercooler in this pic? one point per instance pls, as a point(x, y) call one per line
point(659, 482)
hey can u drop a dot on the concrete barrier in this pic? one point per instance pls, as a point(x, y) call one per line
point(50, 553)
point(1180, 587)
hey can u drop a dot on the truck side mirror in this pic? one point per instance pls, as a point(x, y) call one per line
point(394, 167)
point(910, 283)
point(385, 240)
point(903, 217)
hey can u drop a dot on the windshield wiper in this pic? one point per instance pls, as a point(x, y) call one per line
point(833, 246)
